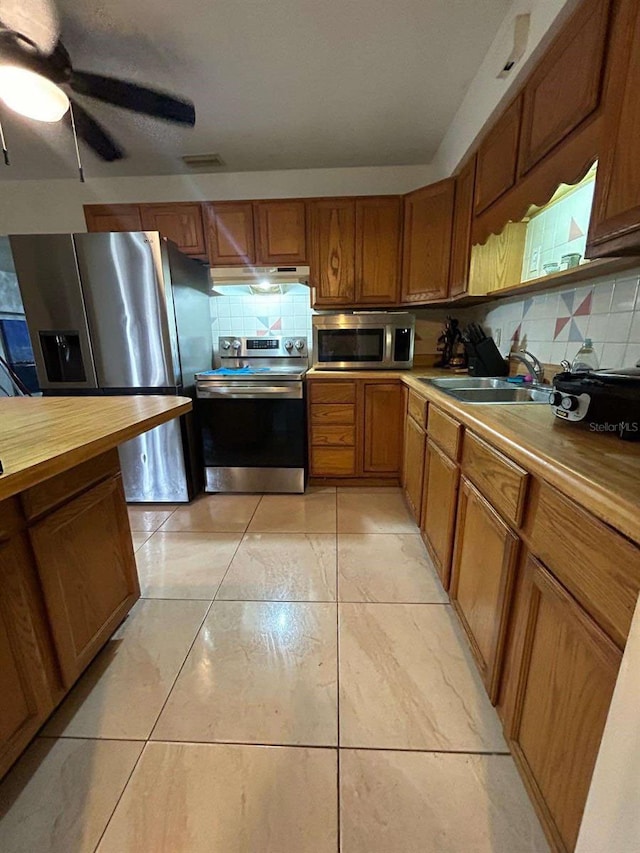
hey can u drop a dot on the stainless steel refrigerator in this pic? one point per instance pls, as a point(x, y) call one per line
point(122, 313)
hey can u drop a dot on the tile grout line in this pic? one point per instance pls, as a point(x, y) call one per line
point(320, 746)
point(147, 740)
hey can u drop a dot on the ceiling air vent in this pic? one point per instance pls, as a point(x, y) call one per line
point(203, 162)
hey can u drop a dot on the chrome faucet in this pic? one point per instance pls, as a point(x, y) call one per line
point(531, 363)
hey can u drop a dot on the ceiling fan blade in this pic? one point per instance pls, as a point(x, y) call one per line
point(131, 96)
point(94, 135)
point(36, 20)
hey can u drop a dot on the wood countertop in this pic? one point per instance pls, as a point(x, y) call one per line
point(598, 471)
point(43, 436)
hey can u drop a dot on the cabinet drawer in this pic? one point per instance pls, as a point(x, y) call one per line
point(598, 566)
point(332, 392)
point(333, 461)
point(500, 480)
point(333, 414)
point(333, 436)
point(445, 432)
point(10, 517)
point(55, 491)
point(417, 408)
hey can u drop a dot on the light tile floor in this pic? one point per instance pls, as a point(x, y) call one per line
point(270, 631)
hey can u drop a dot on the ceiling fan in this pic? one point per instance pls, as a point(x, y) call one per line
point(36, 74)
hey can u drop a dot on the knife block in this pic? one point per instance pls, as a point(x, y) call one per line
point(485, 359)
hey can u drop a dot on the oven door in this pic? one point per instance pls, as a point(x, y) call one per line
point(349, 347)
point(253, 436)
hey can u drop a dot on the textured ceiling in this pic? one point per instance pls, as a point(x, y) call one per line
point(277, 84)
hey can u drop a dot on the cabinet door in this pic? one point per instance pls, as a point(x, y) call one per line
point(482, 581)
point(615, 221)
point(88, 572)
point(498, 158)
point(113, 217)
point(281, 231)
point(383, 416)
point(230, 238)
point(461, 238)
point(565, 680)
point(428, 223)
point(181, 223)
point(413, 465)
point(565, 87)
point(333, 240)
point(378, 232)
point(441, 477)
point(25, 695)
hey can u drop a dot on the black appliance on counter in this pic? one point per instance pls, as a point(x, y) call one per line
point(252, 416)
point(482, 353)
point(607, 400)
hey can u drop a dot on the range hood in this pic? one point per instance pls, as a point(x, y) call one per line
point(259, 280)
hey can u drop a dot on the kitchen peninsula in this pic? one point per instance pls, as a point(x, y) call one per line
point(67, 568)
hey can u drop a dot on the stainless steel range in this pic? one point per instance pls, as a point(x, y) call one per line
point(251, 414)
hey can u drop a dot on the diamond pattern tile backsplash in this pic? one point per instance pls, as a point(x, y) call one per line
point(260, 316)
point(553, 324)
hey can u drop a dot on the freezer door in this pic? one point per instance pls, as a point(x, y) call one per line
point(130, 312)
point(153, 466)
point(50, 287)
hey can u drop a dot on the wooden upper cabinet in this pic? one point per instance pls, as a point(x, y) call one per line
point(113, 217)
point(564, 679)
point(615, 219)
point(179, 222)
point(383, 416)
point(378, 241)
point(281, 232)
point(498, 157)
point(565, 87)
point(428, 223)
point(333, 243)
point(230, 236)
point(461, 237)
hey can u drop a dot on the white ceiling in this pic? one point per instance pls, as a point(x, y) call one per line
point(277, 84)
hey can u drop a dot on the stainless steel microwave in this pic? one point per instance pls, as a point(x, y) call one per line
point(366, 340)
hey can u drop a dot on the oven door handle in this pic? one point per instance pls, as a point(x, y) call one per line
point(261, 392)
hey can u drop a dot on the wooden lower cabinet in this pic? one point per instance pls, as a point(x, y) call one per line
point(383, 415)
point(87, 569)
point(439, 499)
point(27, 695)
point(355, 428)
point(482, 581)
point(413, 465)
point(563, 680)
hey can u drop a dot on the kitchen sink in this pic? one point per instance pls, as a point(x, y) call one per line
point(469, 382)
point(489, 390)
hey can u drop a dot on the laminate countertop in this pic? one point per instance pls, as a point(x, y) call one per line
point(598, 471)
point(44, 436)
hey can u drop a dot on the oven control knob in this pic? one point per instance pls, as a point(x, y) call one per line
point(236, 345)
point(288, 345)
point(226, 345)
point(570, 403)
point(555, 398)
point(299, 345)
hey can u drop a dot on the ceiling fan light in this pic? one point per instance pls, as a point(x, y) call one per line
point(31, 94)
